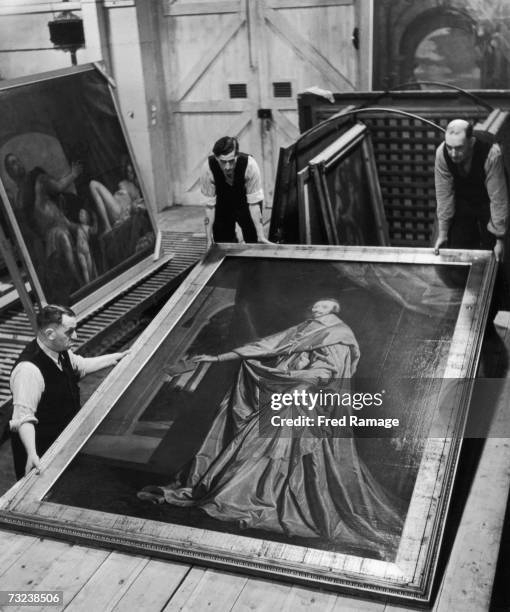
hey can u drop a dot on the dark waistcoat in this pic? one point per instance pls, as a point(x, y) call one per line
point(229, 198)
point(60, 400)
point(471, 195)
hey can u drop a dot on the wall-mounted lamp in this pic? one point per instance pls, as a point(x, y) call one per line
point(66, 33)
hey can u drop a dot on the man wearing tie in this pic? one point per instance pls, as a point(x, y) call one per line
point(44, 386)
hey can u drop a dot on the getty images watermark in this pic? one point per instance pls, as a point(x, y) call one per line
point(407, 410)
point(323, 408)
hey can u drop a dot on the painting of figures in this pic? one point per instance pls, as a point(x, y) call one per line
point(69, 184)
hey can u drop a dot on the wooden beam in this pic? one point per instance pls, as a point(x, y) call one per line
point(16, 8)
point(306, 50)
point(263, 146)
point(179, 9)
point(300, 4)
point(364, 55)
point(228, 32)
point(213, 106)
point(289, 128)
point(284, 104)
point(149, 22)
point(95, 26)
point(114, 4)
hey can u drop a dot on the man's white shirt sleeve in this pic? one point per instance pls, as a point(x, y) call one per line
point(253, 182)
point(27, 386)
point(86, 365)
point(207, 186)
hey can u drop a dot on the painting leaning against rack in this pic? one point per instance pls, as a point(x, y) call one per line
point(68, 183)
point(339, 197)
point(193, 450)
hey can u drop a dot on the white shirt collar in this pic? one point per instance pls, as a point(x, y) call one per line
point(51, 354)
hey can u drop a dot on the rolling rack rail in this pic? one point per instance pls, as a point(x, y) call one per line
point(114, 323)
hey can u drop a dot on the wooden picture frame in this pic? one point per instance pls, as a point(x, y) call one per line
point(71, 189)
point(418, 320)
point(348, 198)
point(315, 222)
point(285, 224)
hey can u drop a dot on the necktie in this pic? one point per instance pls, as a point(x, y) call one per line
point(61, 360)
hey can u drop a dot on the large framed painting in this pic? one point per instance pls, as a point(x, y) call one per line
point(345, 204)
point(69, 185)
point(291, 412)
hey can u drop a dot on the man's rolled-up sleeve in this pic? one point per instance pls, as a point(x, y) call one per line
point(208, 187)
point(497, 190)
point(86, 365)
point(444, 192)
point(27, 386)
point(253, 182)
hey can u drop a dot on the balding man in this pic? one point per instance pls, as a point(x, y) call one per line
point(471, 192)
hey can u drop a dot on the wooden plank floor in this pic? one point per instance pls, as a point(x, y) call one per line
point(97, 579)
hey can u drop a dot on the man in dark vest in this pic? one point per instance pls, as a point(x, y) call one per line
point(232, 186)
point(44, 386)
point(471, 192)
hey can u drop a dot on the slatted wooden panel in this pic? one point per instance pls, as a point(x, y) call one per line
point(404, 151)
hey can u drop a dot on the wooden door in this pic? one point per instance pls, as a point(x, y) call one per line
point(234, 67)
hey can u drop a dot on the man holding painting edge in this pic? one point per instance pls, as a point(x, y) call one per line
point(44, 386)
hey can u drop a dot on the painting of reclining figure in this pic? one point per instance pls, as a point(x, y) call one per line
point(69, 184)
